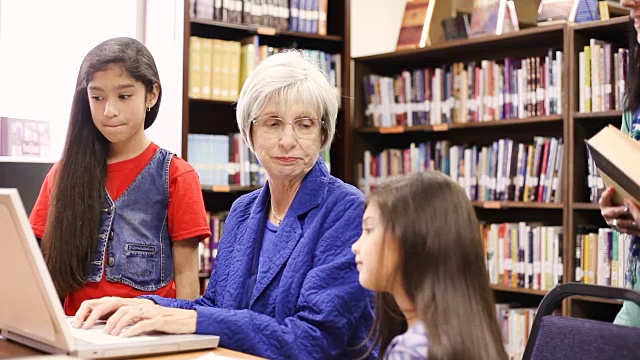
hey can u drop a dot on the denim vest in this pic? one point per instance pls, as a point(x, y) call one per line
point(134, 239)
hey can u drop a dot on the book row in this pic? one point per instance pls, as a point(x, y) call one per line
point(524, 255)
point(503, 171)
point(487, 90)
point(602, 74)
point(218, 68)
point(222, 160)
point(307, 16)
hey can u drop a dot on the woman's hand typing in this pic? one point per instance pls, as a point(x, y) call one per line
point(144, 316)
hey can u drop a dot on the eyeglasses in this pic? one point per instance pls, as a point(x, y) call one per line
point(303, 127)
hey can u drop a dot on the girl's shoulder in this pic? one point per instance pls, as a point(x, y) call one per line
point(51, 175)
point(412, 345)
point(180, 166)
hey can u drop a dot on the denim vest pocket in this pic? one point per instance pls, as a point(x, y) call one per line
point(140, 259)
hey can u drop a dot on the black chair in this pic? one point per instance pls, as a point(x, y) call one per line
point(559, 337)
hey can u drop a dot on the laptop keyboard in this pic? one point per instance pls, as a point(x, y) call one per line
point(96, 336)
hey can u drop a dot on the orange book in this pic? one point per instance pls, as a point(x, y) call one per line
point(415, 24)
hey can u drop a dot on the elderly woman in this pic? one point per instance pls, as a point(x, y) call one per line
point(285, 283)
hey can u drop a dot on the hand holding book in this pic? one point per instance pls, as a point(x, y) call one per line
point(615, 155)
point(624, 218)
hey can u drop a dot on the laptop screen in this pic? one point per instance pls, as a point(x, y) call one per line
point(30, 305)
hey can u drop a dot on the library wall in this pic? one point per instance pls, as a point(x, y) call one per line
point(164, 36)
point(367, 36)
point(24, 95)
point(38, 79)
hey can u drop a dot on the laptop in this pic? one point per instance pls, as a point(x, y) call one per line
point(31, 312)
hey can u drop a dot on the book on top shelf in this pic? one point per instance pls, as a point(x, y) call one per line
point(555, 11)
point(493, 17)
point(614, 154)
point(456, 27)
point(414, 32)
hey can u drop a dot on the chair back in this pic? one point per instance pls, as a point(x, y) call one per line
point(558, 337)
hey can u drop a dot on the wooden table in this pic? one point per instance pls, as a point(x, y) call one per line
point(14, 350)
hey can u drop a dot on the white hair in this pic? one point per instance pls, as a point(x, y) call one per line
point(282, 78)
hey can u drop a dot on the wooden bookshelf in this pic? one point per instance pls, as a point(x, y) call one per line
point(503, 288)
point(581, 126)
point(611, 27)
point(26, 159)
point(229, 188)
point(197, 113)
point(244, 29)
point(525, 43)
point(212, 102)
point(457, 126)
point(217, 117)
point(586, 206)
point(596, 300)
point(516, 204)
point(597, 115)
point(574, 127)
point(470, 48)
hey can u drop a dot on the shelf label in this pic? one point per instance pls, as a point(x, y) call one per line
point(266, 31)
point(391, 130)
point(491, 204)
point(221, 188)
point(440, 127)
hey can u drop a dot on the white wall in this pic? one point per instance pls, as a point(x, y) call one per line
point(43, 42)
point(164, 29)
point(375, 25)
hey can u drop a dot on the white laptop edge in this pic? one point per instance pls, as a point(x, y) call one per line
point(62, 341)
point(58, 338)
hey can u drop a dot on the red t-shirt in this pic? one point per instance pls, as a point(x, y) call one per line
point(186, 217)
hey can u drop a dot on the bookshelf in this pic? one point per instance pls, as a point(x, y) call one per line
point(582, 211)
point(453, 127)
point(573, 126)
point(525, 43)
point(217, 117)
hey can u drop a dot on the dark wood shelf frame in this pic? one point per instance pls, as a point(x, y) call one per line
point(264, 31)
point(516, 204)
point(534, 36)
point(596, 300)
point(229, 188)
point(213, 102)
point(519, 290)
point(586, 206)
point(457, 126)
point(598, 114)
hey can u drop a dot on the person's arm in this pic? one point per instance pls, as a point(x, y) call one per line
point(40, 211)
point(330, 306)
point(627, 120)
point(221, 265)
point(185, 268)
point(624, 219)
point(417, 351)
point(629, 315)
point(188, 225)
